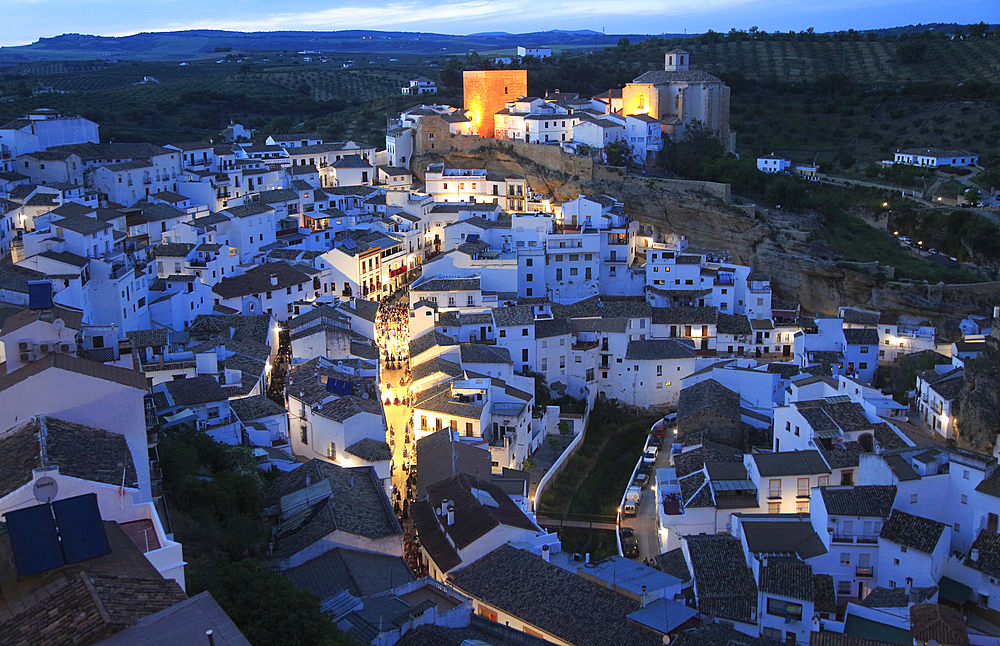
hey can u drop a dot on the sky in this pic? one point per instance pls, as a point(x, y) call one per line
point(27, 20)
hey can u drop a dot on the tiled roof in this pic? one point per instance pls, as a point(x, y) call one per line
point(826, 594)
point(990, 485)
point(360, 573)
point(257, 280)
point(79, 452)
point(724, 635)
point(85, 603)
point(80, 366)
point(685, 315)
point(371, 450)
point(250, 408)
point(900, 467)
point(788, 578)
point(790, 463)
point(887, 598)
point(915, 532)
point(709, 452)
point(725, 584)
point(434, 366)
point(861, 336)
point(482, 353)
point(82, 224)
point(185, 622)
point(432, 537)
point(475, 514)
point(194, 391)
point(786, 535)
point(427, 341)
point(674, 564)
point(443, 284)
point(861, 317)
point(695, 490)
point(842, 457)
point(709, 394)
point(828, 638)
point(941, 624)
point(988, 557)
point(867, 500)
point(25, 316)
point(347, 406)
point(658, 349)
point(548, 328)
point(734, 324)
point(357, 505)
point(552, 599)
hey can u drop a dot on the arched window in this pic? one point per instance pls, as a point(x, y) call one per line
point(640, 102)
point(670, 60)
point(505, 89)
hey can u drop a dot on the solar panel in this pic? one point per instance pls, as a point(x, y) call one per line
point(39, 294)
point(349, 244)
point(81, 528)
point(34, 539)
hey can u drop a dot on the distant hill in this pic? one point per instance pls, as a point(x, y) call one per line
point(195, 44)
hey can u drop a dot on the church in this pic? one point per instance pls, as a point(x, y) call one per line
point(678, 96)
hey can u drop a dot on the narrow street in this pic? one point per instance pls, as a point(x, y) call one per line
point(393, 342)
point(644, 524)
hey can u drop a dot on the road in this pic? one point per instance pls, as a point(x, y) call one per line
point(644, 524)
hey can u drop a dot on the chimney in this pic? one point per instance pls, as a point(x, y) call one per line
point(307, 479)
point(996, 312)
point(352, 482)
point(274, 279)
point(451, 515)
point(974, 554)
point(586, 560)
point(545, 553)
point(763, 562)
point(642, 601)
point(211, 637)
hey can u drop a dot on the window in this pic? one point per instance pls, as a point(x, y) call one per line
point(774, 507)
point(965, 499)
point(774, 488)
point(863, 349)
point(902, 549)
point(845, 558)
point(659, 385)
point(503, 333)
point(802, 488)
point(524, 331)
point(470, 300)
point(304, 435)
point(545, 364)
point(958, 527)
point(527, 263)
point(524, 354)
point(779, 608)
point(332, 453)
point(558, 273)
point(843, 588)
point(965, 474)
point(895, 562)
point(913, 498)
point(528, 278)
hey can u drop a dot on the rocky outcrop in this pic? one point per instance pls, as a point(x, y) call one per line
point(978, 417)
point(776, 242)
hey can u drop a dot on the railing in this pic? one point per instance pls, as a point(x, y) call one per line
point(774, 494)
point(854, 538)
point(198, 263)
point(802, 493)
point(866, 572)
point(760, 290)
point(616, 259)
point(152, 437)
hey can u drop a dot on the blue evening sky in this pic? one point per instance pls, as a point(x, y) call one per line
point(27, 20)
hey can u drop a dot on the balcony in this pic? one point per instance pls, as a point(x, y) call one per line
point(774, 494)
point(850, 539)
point(766, 289)
point(802, 493)
point(865, 572)
point(615, 258)
point(152, 437)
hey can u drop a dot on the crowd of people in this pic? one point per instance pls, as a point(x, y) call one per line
point(392, 329)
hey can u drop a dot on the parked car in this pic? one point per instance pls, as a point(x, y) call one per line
point(650, 456)
point(656, 442)
point(630, 546)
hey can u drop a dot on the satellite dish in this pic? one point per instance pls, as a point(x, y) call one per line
point(59, 325)
point(45, 489)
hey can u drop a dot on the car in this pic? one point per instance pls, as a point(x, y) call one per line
point(630, 546)
point(649, 457)
point(656, 442)
point(627, 532)
point(641, 478)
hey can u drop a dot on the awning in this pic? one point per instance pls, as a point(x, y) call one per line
point(953, 591)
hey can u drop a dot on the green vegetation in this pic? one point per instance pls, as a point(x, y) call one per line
point(215, 493)
point(268, 609)
point(594, 479)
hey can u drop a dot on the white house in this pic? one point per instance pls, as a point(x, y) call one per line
point(420, 86)
point(912, 551)
point(934, 157)
point(772, 164)
point(537, 52)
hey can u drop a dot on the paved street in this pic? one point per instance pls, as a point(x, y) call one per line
point(644, 523)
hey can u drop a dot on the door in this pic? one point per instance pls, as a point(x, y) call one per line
point(482, 333)
point(991, 522)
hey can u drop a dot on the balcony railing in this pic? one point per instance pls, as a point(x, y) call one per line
point(839, 537)
point(802, 493)
point(774, 494)
point(865, 572)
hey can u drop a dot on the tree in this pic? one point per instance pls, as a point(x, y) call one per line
point(972, 195)
point(911, 52)
point(528, 464)
point(564, 428)
point(978, 30)
point(267, 607)
point(618, 153)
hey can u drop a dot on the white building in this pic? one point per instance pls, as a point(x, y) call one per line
point(537, 52)
point(934, 157)
point(772, 164)
point(420, 86)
